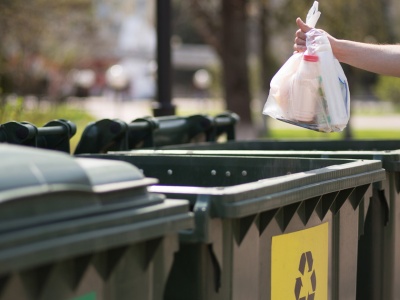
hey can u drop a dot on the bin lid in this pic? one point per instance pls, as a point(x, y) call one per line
point(40, 186)
point(25, 167)
point(54, 206)
point(37, 184)
point(119, 184)
point(102, 172)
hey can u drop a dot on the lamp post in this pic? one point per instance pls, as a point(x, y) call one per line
point(163, 106)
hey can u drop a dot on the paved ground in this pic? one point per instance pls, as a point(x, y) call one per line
point(130, 110)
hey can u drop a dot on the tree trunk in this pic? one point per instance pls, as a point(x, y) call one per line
point(234, 59)
point(266, 61)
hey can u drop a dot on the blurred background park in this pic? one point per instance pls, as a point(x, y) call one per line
point(83, 60)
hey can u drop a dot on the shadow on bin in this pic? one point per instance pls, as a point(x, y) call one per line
point(379, 258)
point(54, 135)
point(83, 229)
point(265, 228)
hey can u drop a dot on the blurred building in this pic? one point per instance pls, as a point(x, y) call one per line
point(130, 27)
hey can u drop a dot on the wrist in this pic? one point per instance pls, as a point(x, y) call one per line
point(336, 47)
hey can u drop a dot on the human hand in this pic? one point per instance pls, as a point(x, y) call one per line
point(300, 38)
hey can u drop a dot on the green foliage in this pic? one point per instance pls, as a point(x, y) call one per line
point(41, 113)
point(388, 89)
point(303, 134)
point(11, 110)
point(344, 19)
point(357, 134)
point(41, 38)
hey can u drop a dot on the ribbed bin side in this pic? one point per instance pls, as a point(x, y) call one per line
point(379, 273)
point(71, 229)
point(252, 211)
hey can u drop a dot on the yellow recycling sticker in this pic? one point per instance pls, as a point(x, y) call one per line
point(299, 264)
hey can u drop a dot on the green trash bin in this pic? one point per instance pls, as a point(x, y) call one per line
point(379, 255)
point(265, 228)
point(74, 230)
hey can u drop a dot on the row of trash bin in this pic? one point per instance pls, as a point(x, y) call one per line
point(116, 135)
point(198, 224)
point(234, 220)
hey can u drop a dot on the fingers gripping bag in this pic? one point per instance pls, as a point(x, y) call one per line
point(310, 90)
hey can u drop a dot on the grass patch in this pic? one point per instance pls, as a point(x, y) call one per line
point(356, 134)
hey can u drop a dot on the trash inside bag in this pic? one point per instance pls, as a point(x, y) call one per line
point(311, 90)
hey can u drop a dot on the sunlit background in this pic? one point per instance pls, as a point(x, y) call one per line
point(84, 60)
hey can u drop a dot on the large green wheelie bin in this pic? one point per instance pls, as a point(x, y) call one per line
point(379, 255)
point(71, 229)
point(265, 228)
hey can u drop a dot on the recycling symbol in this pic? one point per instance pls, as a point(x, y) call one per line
point(306, 283)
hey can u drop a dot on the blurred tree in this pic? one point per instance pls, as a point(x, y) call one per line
point(268, 63)
point(182, 25)
point(223, 25)
point(388, 89)
point(41, 39)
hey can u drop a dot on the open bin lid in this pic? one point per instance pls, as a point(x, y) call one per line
point(54, 206)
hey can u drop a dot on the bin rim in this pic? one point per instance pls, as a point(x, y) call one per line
point(392, 153)
point(250, 198)
point(124, 185)
point(389, 158)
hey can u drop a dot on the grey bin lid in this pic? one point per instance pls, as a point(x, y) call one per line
point(39, 185)
point(54, 206)
point(101, 171)
point(119, 183)
point(39, 170)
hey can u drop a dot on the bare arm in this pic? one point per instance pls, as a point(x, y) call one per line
point(381, 59)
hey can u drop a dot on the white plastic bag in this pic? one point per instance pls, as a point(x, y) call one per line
point(311, 90)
